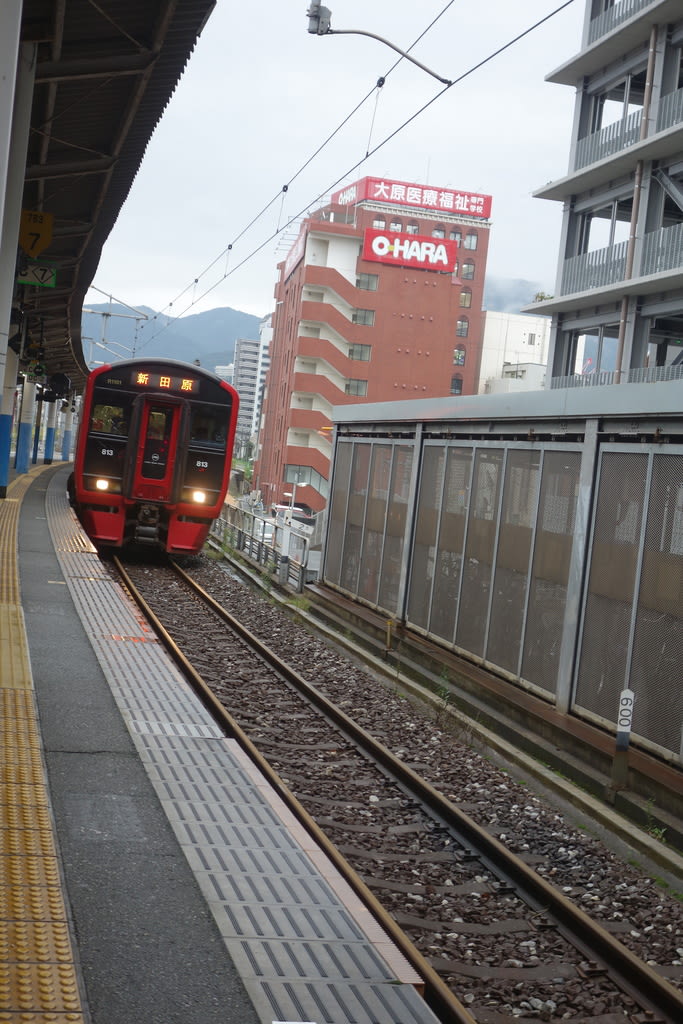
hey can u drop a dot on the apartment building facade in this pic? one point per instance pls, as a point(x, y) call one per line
point(618, 304)
point(379, 298)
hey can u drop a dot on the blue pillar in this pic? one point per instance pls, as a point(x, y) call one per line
point(23, 457)
point(68, 433)
point(36, 428)
point(50, 432)
point(6, 417)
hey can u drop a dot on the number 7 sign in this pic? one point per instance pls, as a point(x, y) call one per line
point(35, 231)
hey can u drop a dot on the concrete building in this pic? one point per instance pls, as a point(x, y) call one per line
point(252, 359)
point(226, 372)
point(379, 298)
point(265, 339)
point(514, 353)
point(245, 381)
point(618, 304)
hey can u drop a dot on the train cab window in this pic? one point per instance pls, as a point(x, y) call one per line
point(110, 419)
point(209, 426)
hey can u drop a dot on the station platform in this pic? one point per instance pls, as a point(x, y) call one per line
point(147, 872)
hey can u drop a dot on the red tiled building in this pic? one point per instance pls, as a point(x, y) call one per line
point(379, 299)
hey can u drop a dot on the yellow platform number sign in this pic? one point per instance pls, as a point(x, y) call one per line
point(35, 231)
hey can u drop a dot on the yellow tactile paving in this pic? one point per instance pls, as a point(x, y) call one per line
point(38, 981)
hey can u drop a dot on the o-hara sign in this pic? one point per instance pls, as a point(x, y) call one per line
point(418, 251)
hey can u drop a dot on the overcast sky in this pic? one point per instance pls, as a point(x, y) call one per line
point(260, 95)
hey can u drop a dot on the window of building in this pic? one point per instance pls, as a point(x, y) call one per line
point(471, 240)
point(456, 384)
point(396, 225)
point(456, 270)
point(467, 270)
point(363, 316)
point(455, 236)
point(379, 223)
point(531, 339)
point(462, 328)
point(367, 282)
point(361, 352)
point(439, 231)
point(413, 228)
point(466, 298)
point(306, 475)
point(459, 356)
point(359, 388)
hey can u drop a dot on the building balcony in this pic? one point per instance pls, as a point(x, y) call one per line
point(615, 150)
point(618, 30)
point(322, 349)
point(662, 252)
point(622, 134)
point(328, 277)
point(599, 276)
point(295, 455)
point(324, 313)
point(608, 140)
point(318, 384)
point(613, 17)
point(594, 269)
point(670, 110)
point(308, 419)
point(636, 375)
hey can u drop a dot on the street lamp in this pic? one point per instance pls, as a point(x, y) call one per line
point(319, 24)
point(291, 494)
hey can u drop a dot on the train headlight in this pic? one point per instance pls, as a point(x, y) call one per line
point(199, 497)
point(102, 485)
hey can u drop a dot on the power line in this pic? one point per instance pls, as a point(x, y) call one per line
point(375, 89)
point(351, 170)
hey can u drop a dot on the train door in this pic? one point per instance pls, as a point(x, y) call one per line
point(155, 460)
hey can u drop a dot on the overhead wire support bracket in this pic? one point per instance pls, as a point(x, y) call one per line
point(319, 19)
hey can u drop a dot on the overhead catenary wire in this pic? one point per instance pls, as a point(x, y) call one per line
point(285, 188)
point(370, 152)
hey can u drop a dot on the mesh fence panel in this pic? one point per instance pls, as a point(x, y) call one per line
point(358, 492)
point(658, 641)
point(395, 536)
point(479, 548)
point(603, 662)
point(518, 518)
point(424, 544)
point(550, 568)
point(444, 609)
point(337, 512)
point(375, 522)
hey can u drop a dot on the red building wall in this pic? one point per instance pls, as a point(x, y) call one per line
point(419, 347)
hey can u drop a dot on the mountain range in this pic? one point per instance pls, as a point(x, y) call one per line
point(110, 331)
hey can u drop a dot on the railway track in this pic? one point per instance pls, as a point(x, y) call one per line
point(490, 935)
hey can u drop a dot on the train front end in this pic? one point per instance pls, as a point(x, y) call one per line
point(153, 456)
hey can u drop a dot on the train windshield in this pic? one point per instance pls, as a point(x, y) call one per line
point(209, 425)
point(110, 419)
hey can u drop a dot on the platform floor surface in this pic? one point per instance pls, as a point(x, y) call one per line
point(155, 878)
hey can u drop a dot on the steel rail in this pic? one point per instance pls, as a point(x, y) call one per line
point(437, 994)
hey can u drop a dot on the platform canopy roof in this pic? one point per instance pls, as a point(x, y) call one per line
point(105, 73)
